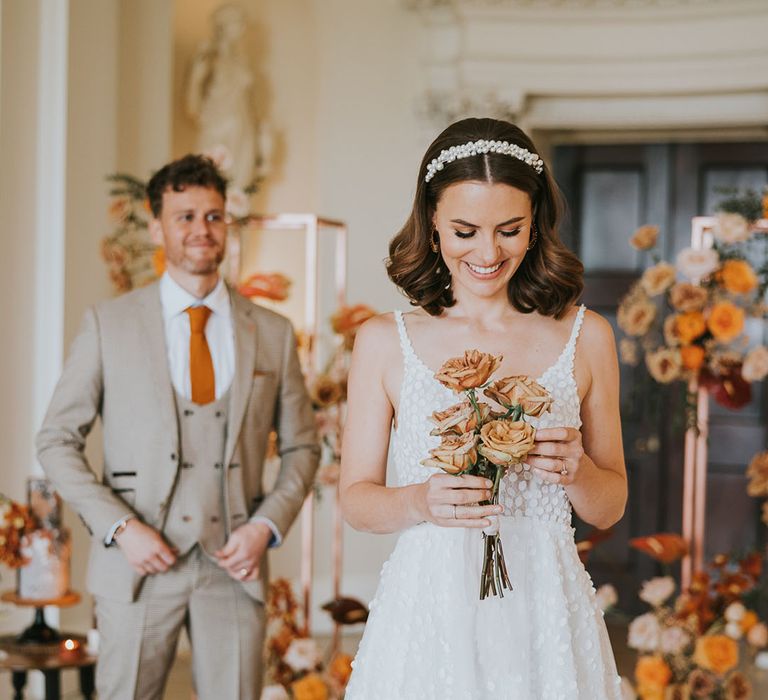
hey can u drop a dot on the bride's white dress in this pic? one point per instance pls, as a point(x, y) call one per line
point(429, 637)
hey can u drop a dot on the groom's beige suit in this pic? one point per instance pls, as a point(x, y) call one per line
point(118, 369)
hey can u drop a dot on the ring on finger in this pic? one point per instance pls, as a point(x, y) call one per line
point(244, 572)
point(563, 468)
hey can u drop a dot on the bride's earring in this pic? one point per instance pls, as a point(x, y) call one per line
point(534, 236)
point(434, 242)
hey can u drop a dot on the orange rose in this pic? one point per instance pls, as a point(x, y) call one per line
point(459, 419)
point(455, 454)
point(268, 285)
point(726, 321)
point(737, 276)
point(748, 621)
point(717, 653)
point(689, 326)
point(685, 297)
point(310, 687)
point(348, 319)
point(636, 317)
point(692, 357)
point(158, 261)
point(341, 668)
point(652, 672)
point(520, 390)
point(506, 442)
point(468, 372)
point(645, 237)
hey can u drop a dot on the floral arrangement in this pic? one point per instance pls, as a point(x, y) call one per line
point(131, 257)
point(294, 667)
point(16, 521)
point(689, 646)
point(328, 390)
point(757, 472)
point(688, 319)
point(477, 440)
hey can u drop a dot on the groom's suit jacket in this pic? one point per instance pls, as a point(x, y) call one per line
point(118, 369)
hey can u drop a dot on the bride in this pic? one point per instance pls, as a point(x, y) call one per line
point(481, 260)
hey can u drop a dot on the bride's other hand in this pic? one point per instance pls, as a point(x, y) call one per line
point(556, 455)
point(452, 501)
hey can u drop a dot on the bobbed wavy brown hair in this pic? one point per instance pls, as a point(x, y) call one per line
point(550, 277)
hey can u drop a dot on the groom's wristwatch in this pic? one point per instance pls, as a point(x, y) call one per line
point(117, 528)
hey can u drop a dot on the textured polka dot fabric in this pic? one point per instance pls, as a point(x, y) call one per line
point(429, 637)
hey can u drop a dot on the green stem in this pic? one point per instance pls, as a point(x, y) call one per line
point(473, 400)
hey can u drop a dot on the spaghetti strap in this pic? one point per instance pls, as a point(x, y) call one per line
point(570, 348)
point(405, 342)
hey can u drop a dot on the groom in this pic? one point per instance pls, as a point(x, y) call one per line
point(189, 379)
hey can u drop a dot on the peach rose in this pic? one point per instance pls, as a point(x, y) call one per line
point(520, 390)
point(692, 357)
point(732, 228)
point(268, 285)
point(506, 442)
point(468, 372)
point(628, 352)
point(757, 471)
point(717, 653)
point(652, 672)
point(310, 687)
point(755, 367)
point(664, 364)
point(757, 636)
point(737, 687)
point(737, 276)
point(726, 321)
point(454, 454)
point(685, 297)
point(644, 238)
point(459, 419)
point(695, 263)
point(689, 326)
point(658, 279)
point(325, 391)
point(671, 338)
point(348, 319)
point(636, 317)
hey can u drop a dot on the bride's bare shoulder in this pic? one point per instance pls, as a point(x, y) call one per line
point(596, 337)
point(377, 337)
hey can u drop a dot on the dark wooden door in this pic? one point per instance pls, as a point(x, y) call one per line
point(612, 189)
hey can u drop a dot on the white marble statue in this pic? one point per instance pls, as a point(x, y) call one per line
point(219, 97)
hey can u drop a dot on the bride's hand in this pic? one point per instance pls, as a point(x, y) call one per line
point(556, 455)
point(451, 501)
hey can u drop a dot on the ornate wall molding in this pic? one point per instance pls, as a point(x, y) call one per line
point(676, 63)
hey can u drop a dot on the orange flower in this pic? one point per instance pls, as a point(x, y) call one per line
point(310, 687)
point(468, 372)
point(341, 668)
point(717, 653)
point(158, 261)
point(348, 319)
point(737, 276)
point(689, 326)
point(645, 237)
point(692, 356)
point(652, 673)
point(268, 285)
point(748, 621)
point(726, 321)
point(665, 547)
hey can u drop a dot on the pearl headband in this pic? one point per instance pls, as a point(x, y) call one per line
point(474, 148)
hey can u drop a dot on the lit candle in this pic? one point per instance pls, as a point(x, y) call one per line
point(70, 649)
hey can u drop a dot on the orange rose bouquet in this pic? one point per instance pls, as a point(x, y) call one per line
point(15, 522)
point(478, 440)
point(688, 320)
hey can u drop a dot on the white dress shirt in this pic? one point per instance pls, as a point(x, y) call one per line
point(220, 334)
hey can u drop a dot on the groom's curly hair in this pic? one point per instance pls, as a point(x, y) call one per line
point(550, 277)
point(190, 171)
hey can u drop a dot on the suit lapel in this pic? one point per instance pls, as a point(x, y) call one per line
point(245, 361)
point(154, 347)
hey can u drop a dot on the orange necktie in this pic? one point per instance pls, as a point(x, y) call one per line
point(200, 362)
